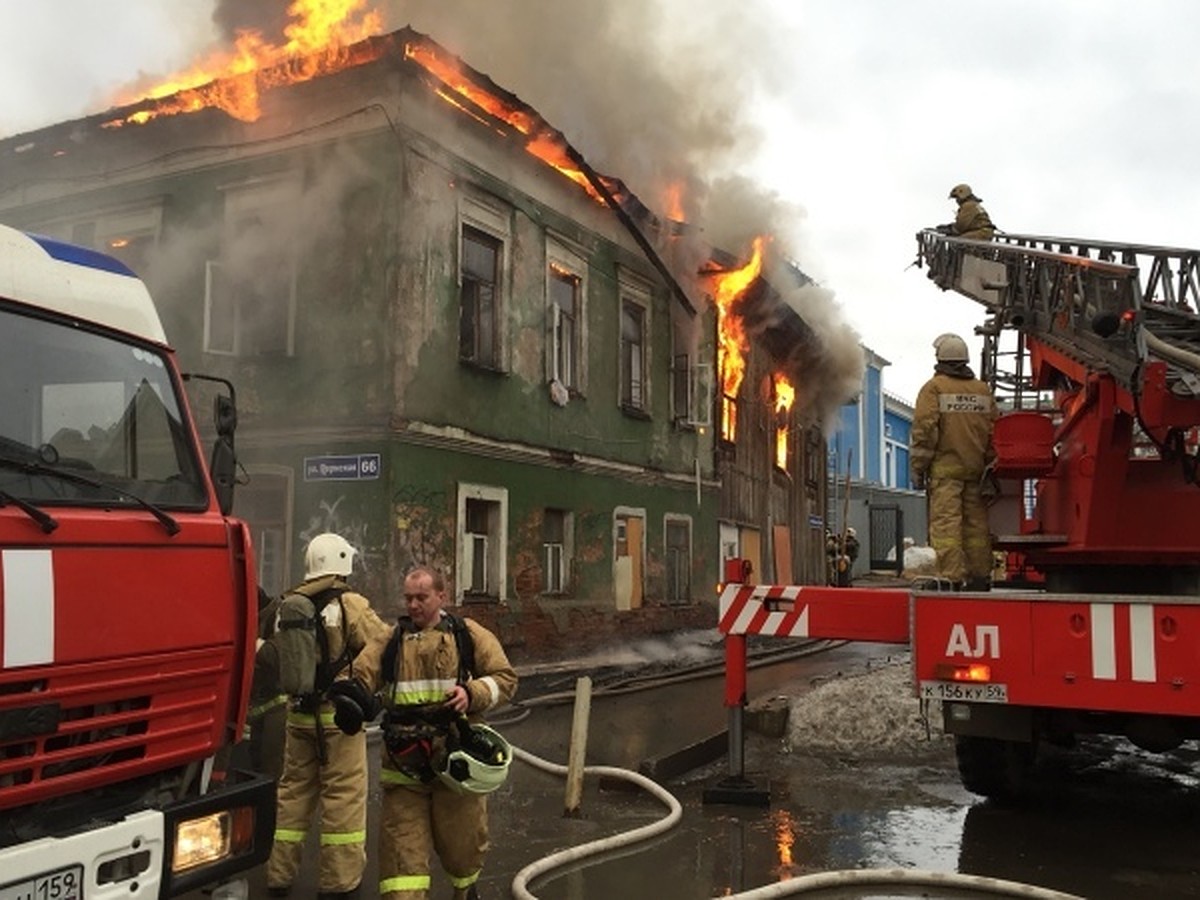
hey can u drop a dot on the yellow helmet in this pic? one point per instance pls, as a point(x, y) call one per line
point(961, 192)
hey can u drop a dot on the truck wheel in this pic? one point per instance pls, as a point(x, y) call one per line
point(992, 767)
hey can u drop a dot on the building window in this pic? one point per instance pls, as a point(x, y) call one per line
point(633, 359)
point(478, 329)
point(484, 238)
point(557, 527)
point(678, 534)
point(729, 418)
point(564, 309)
point(264, 502)
point(130, 235)
point(566, 301)
point(483, 540)
point(681, 389)
point(250, 291)
point(815, 461)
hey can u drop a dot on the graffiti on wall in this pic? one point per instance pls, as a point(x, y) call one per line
point(423, 531)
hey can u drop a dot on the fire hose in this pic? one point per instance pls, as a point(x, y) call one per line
point(818, 881)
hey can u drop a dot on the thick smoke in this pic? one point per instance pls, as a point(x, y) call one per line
point(658, 93)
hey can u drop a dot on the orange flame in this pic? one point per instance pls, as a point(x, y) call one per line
point(674, 202)
point(785, 396)
point(317, 44)
point(544, 142)
point(731, 335)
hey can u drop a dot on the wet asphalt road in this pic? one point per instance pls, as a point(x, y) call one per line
point(1104, 824)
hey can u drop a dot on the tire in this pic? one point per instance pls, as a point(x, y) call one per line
point(993, 768)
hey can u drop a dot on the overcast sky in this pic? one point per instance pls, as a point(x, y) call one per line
point(1068, 117)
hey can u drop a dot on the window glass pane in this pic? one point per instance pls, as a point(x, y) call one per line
point(479, 255)
point(98, 406)
point(477, 313)
point(563, 288)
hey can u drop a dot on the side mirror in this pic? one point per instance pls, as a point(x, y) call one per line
point(225, 415)
point(223, 469)
point(223, 464)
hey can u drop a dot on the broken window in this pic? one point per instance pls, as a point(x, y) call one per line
point(564, 298)
point(566, 302)
point(483, 539)
point(633, 355)
point(484, 236)
point(130, 235)
point(479, 298)
point(250, 291)
point(556, 550)
point(678, 534)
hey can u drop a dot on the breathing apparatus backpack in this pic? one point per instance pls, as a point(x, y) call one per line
point(305, 668)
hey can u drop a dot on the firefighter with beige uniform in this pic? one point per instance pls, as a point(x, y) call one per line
point(438, 673)
point(951, 448)
point(321, 626)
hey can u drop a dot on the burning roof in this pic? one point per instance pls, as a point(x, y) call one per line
point(238, 100)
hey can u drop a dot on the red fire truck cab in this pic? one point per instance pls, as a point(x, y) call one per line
point(127, 598)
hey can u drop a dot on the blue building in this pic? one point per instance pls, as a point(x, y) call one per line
point(871, 440)
point(870, 483)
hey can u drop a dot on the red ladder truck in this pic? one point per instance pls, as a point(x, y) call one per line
point(128, 599)
point(1093, 350)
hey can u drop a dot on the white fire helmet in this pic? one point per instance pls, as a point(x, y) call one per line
point(328, 554)
point(950, 348)
point(467, 773)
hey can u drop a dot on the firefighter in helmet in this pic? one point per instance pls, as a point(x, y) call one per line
point(951, 448)
point(321, 766)
point(972, 220)
point(439, 761)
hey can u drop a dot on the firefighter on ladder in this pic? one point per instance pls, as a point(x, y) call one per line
point(951, 449)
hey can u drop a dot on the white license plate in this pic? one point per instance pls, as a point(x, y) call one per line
point(61, 884)
point(965, 691)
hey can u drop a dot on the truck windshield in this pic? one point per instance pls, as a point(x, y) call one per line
point(77, 400)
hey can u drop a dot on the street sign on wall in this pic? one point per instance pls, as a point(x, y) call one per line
point(352, 467)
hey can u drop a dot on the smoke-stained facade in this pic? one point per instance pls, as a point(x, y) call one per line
point(443, 348)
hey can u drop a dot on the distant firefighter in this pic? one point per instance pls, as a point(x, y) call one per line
point(840, 554)
point(972, 220)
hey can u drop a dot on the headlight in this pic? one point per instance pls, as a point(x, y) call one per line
point(199, 842)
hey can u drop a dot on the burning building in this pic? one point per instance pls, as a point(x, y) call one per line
point(452, 341)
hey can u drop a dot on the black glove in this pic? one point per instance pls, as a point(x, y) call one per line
point(944, 229)
point(353, 706)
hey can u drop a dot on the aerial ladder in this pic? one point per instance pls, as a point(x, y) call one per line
point(1092, 349)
